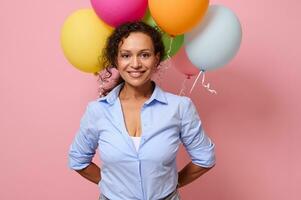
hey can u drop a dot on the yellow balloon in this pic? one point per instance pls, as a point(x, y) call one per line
point(177, 16)
point(83, 37)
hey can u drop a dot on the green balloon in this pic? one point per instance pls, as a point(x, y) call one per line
point(171, 44)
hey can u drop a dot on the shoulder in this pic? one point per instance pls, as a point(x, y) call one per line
point(171, 97)
point(94, 108)
point(183, 103)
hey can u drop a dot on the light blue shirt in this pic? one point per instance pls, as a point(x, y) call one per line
point(151, 173)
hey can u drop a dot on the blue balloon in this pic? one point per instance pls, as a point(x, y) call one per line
point(216, 40)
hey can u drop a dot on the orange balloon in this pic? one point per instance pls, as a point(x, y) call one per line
point(177, 16)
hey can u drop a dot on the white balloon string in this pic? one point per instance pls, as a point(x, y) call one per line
point(195, 82)
point(207, 86)
point(183, 87)
point(169, 49)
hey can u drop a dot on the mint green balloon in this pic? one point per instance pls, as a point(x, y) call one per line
point(171, 44)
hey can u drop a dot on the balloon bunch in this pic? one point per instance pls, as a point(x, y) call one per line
point(210, 34)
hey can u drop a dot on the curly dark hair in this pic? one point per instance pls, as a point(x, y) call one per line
point(110, 51)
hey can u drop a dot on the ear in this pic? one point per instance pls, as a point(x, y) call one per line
point(157, 62)
point(158, 58)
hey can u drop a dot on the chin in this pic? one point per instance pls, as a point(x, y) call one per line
point(137, 82)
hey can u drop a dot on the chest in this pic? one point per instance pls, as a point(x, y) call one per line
point(158, 125)
point(132, 117)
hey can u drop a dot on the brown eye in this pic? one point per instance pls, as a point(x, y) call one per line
point(125, 55)
point(145, 55)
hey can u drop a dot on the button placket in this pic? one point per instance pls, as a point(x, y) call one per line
point(143, 123)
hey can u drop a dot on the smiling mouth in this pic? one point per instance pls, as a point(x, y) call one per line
point(136, 74)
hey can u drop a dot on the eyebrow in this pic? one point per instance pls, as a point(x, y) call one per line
point(125, 50)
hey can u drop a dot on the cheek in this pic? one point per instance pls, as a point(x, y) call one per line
point(150, 63)
point(153, 69)
point(122, 63)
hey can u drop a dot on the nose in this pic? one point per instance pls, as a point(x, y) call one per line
point(136, 63)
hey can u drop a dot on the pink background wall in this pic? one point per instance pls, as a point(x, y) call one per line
point(253, 120)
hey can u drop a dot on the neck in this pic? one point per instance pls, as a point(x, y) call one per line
point(129, 92)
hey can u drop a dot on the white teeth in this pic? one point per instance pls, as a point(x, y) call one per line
point(135, 74)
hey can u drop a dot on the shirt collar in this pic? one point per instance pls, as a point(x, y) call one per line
point(158, 94)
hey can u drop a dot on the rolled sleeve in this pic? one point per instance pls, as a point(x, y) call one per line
point(197, 144)
point(85, 142)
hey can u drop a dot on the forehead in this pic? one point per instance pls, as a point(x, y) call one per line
point(136, 41)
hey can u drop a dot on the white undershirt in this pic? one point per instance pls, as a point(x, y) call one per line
point(136, 141)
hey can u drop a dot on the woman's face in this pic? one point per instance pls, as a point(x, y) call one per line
point(136, 59)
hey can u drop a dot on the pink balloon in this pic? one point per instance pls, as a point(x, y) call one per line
point(116, 12)
point(183, 64)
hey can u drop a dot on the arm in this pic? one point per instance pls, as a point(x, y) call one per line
point(189, 173)
point(91, 173)
point(83, 147)
point(196, 142)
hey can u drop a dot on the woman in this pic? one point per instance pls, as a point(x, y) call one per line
point(138, 127)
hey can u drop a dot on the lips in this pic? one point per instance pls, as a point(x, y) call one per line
point(135, 74)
